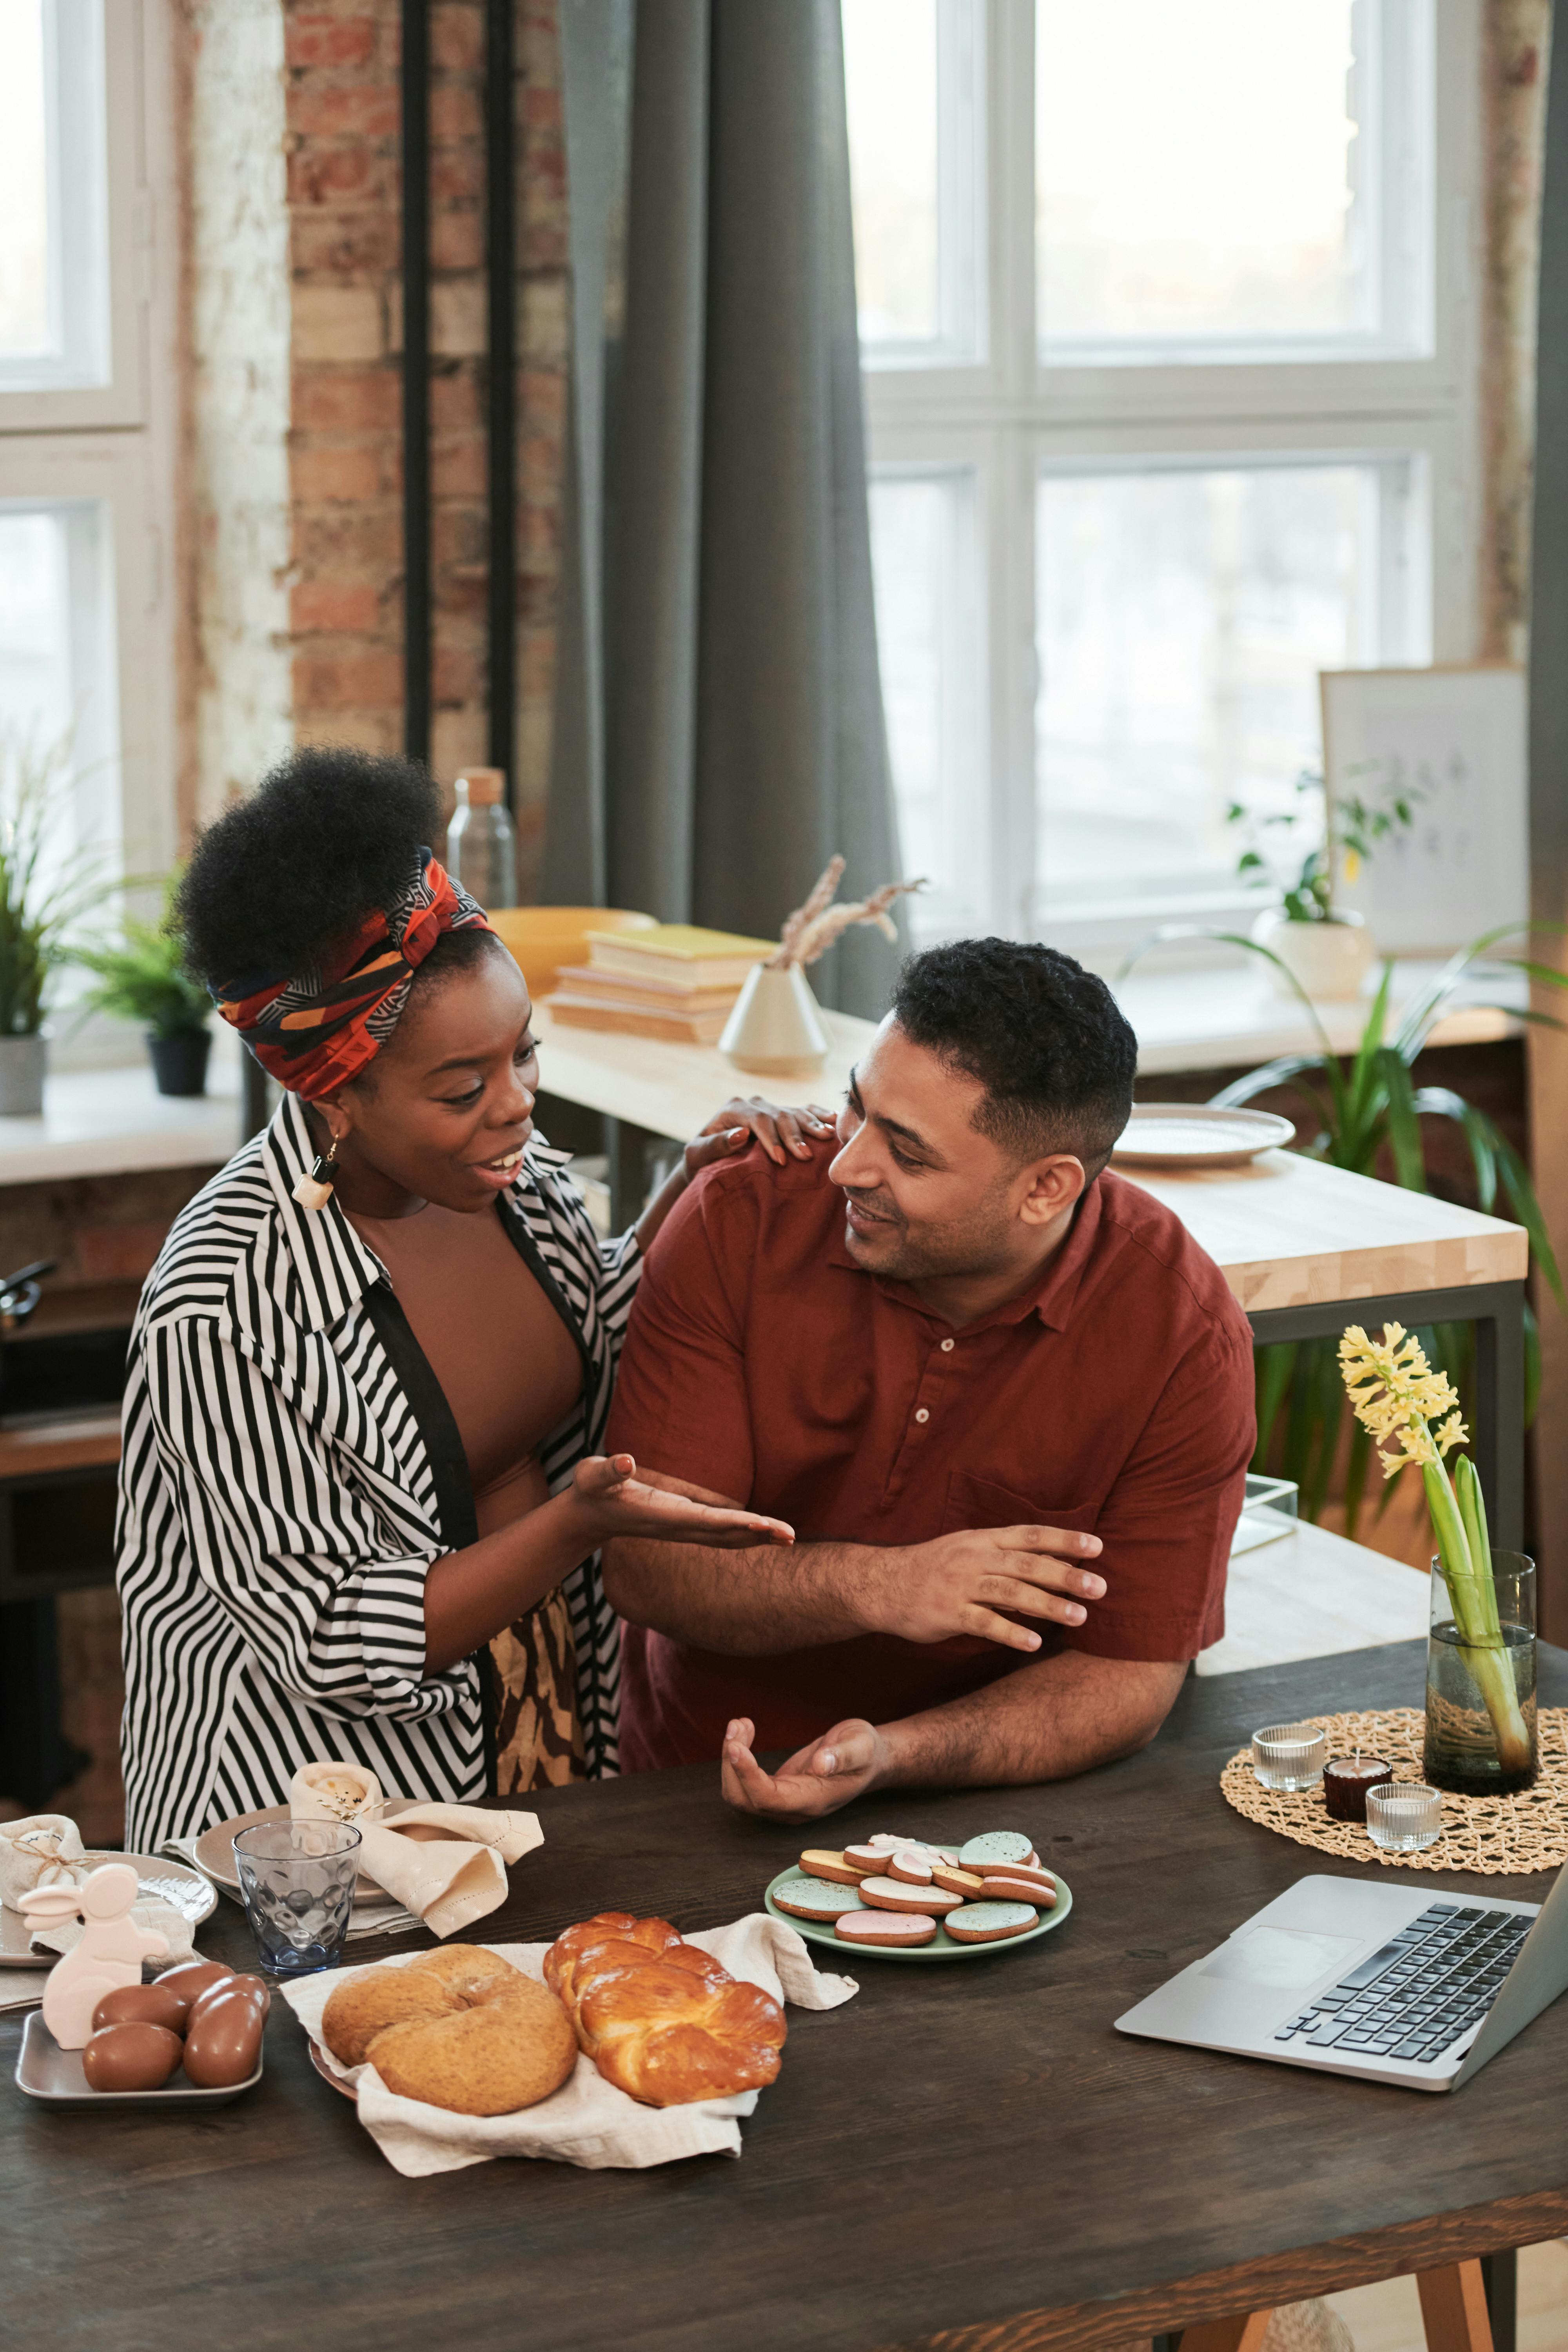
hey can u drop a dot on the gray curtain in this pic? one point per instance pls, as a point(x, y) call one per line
point(1548, 1049)
point(718, 728)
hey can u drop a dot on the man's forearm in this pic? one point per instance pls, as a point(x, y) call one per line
point(1042, 1722)
point(747, 1603)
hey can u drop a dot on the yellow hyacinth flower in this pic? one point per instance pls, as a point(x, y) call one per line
point(1396, 1396)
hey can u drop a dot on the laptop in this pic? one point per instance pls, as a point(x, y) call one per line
point(1389, 1983)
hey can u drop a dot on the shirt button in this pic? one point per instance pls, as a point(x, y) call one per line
point(922, 1414)
point(947, 1347)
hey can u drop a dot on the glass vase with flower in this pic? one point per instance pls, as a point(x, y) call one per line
point(1480, 1651)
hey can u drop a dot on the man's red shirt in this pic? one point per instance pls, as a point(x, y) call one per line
point(1115, 1396)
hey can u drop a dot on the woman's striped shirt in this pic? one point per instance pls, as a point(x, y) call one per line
point(290, 1469)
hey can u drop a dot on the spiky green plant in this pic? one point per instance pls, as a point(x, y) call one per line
point(47, 882)
point(145, 978)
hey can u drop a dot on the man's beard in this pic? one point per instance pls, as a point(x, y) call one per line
point(923, 1253)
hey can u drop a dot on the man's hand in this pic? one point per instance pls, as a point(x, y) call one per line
point(957, 1583)
point(832, 1770)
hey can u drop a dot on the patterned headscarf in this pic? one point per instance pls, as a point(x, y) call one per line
point(316, 1031)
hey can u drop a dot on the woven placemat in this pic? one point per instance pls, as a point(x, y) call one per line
point(1498, 1836)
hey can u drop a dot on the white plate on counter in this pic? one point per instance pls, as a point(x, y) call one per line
point(174, 1883)
point(1196, 1135)
point(214, 1849)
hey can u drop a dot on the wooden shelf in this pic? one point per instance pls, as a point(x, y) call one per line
point(74, 1441)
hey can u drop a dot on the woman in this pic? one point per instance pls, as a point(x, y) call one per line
point(360, 1507)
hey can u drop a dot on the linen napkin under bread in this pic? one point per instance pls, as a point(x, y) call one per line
point(446, 1864)
point(587, 2122)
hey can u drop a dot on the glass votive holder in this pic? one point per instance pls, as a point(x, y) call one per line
point(1289, 1755)
point(1403, 1816)
point(297, 1882)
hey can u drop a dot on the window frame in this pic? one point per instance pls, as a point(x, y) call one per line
point(1011, 412)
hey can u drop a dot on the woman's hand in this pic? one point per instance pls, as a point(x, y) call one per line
point(783, 1131)
point(609, 1499)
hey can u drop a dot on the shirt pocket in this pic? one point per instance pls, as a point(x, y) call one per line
point(980, 1503)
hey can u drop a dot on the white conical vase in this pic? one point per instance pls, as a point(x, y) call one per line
point(776, 1025)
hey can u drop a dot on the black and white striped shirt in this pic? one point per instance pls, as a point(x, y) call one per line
point(290, 1470)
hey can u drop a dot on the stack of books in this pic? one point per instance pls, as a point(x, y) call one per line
point(674, 982)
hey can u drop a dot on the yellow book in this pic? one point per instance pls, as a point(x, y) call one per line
point(706, 959)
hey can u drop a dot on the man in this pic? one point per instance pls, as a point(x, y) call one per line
point(1003, 1397)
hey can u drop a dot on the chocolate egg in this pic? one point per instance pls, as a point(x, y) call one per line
point(224, 2039)
point(153, 2004)
point(134, 2056)
point(192, 1978)
point(253, 1987)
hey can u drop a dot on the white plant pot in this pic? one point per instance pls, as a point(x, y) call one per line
point(776, 1025)
point(22, 1064)
point(1329, 960)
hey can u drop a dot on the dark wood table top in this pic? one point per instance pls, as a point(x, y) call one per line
point(954, 2150)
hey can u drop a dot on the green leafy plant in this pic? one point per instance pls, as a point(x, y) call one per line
point(1360, 826)
point(145, 978)
point(1367, 1114)
point(47, 884)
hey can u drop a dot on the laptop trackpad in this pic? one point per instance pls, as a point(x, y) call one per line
point(1281, 1957)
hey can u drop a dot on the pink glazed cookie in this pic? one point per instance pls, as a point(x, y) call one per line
point(890, 1928)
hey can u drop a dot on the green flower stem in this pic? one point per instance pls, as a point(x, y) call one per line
point(1474, 1599)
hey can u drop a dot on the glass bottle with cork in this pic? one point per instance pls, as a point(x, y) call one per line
point(481, 848)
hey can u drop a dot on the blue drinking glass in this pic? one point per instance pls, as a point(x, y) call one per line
point(298, 1881)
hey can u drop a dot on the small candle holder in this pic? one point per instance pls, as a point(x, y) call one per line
point(1347, 1780)
point(1289, 1755)
point(1404, 1816)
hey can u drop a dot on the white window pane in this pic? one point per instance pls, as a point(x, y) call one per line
point(1225, 173)
point(1184, 615)
point(58, 661)
point(922, 555)
point(54, 244)
point(908, 69)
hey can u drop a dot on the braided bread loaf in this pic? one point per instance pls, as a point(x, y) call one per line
point(659, 2018)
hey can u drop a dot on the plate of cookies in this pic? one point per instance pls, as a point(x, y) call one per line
point(903, 1898)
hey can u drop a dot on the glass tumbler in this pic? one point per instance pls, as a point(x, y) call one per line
point(298, 1881)
point(1289, 1755)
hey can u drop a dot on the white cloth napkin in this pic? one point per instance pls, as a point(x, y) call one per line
point(588, 2121)
point(446, 1862)
point(41, 1850)
point(22, 1987)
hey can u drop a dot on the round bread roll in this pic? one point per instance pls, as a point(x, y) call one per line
point(469, 1971)
point(512, 2049)
point(364, 2006)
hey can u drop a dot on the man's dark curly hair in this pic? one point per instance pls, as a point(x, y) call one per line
point(328, 835)
point(1046, 1039)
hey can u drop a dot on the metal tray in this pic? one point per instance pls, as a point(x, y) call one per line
point(55, 2078)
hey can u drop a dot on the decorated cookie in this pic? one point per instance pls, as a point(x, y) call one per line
point(815, 1898)
point(817, 1862)
point(1005, 1885)
point(994, 1849)
point(1033, 1872)
point(894, 1894)
point(891, 1927)
point(909, 1867)
point(954, 1881)
point(862, 1859)
point(989, 1923)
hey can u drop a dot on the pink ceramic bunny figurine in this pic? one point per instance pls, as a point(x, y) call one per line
point(111, 1952)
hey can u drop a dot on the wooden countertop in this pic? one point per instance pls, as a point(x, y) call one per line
point(958, 2149)
point(1288, 1231)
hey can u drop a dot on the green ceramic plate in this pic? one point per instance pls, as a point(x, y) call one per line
point(820, 1931)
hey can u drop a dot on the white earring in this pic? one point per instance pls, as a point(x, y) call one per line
point(314, 1191)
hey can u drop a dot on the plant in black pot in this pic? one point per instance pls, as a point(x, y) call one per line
point(145, 979)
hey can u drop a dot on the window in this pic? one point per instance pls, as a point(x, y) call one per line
point(84, 638)
point(1171, 399)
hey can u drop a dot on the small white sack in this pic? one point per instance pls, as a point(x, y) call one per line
point(41, 1851)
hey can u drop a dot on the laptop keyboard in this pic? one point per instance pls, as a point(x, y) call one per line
point(1422, 1993)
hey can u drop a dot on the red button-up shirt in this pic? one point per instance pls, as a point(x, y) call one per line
point(1113, 1396)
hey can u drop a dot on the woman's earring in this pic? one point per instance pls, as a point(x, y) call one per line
point(314, 1191)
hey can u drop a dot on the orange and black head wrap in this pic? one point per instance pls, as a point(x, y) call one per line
point(315, 1030)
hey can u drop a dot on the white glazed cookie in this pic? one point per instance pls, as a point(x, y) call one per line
point(995, 1848)
point(893, 1894)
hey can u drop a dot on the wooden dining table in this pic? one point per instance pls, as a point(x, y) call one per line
point(961, 2159)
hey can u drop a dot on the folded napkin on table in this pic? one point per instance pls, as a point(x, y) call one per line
point(41, 1850)
point(446, 1864)
point(588, 2121)
point(22, 1987)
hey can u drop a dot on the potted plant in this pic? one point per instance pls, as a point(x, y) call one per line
point(46, 887)
point(1325, 950)
point(145, 978)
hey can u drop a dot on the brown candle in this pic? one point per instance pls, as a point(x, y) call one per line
point(1347, 1779)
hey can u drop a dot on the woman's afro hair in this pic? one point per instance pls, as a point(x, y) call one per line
point(329, 835)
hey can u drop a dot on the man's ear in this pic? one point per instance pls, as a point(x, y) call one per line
point(1050, 1188)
